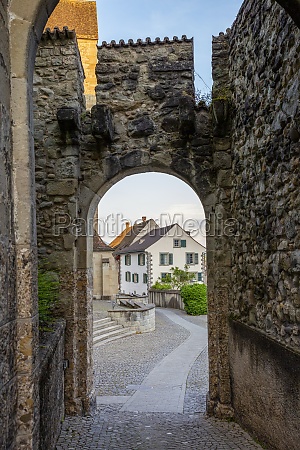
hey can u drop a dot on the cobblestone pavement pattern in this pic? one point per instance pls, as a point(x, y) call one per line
point(119, 366)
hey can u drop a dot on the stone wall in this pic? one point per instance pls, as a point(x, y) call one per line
point(26, 19)
point(81, 16)
point(145, 120)
point(265, 199)
point(58, 107)
point(140, 320)
point(51, 385)
point(264, 73)
point(8, 313)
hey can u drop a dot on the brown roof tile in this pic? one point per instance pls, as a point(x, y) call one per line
point(99, 245)
point(80, 15)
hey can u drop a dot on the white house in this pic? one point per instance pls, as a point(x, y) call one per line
point(152, 256)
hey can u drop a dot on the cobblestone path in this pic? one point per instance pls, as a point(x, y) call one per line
point(120, 368)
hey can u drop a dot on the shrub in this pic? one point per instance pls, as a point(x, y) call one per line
point(48, 291)
point(194, 297)
point(161, 285)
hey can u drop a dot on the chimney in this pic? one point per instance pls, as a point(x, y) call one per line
point(144, 218)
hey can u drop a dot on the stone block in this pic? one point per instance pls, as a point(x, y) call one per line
point(62, 187)
point(222, 160)
point(141, 127)
point(68, 118)
point(225, 178)
point(102, 123)
point(187, 119)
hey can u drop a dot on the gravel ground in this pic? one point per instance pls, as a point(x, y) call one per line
point(129, 360)
point(197, 386)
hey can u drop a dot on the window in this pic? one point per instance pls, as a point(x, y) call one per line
point(192, 258)
point(141, 259)
point(145, 278)
point(135, 277)
point(195, 276)
point(127, 260)
point(200, 276)
point(177, 243)
point(165, 259)
point(127, 276)
point(163, 275)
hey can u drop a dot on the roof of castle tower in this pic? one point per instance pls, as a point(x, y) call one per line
point(80, 15)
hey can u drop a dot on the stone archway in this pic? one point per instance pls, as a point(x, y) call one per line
point(28, 19)
point(85, 153)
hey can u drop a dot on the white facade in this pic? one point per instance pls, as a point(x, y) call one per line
point(175, 249)
point(184, 251)
point(134, 274)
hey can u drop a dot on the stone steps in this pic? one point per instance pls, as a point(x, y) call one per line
point(107, 330)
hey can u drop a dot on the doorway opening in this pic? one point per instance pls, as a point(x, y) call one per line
point(146, 225)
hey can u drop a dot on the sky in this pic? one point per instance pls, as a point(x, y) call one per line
point(137, 19)
point(160, 196)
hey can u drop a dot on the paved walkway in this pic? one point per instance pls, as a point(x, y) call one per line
point(163, 390)
point(151, 394)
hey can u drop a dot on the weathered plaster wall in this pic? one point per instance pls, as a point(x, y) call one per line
point(264, 73)
point(8, 313)
point(105, 275)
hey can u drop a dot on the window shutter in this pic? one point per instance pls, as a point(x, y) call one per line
point(183, 243)
point(196, 258)
point(170, 259)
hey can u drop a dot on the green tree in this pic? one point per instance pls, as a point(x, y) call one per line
point(181, 277)
point(175, 280)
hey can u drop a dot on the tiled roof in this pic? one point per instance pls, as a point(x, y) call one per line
point(145, 241)
point(99, 245)
point(128, 235)
point(80, 15)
